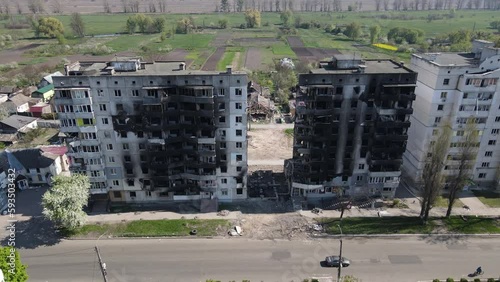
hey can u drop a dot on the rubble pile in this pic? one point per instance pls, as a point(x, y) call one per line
point(223, 213)
point(276, 226)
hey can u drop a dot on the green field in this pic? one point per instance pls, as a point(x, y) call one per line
point(208, 36)
point(411, 225)
point(153, 228)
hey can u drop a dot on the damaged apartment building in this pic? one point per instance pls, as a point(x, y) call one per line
point(156, 131)
point(351, 124)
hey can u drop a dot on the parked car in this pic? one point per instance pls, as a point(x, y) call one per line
point(333, 261)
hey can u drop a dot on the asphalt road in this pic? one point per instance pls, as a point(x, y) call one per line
point(409, 259)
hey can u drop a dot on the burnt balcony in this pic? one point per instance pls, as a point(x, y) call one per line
point(393, 124)
point(391, 137)
point(407, 97)
point(404, 111)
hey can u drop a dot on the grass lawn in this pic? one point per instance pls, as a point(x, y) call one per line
point(473, 225)
point(488, 198)
point(130, 42)
point(152, 228)
point(228, 57)
point(377, 225)
point(283, 50)
point(190, 41)
point(199, 57)
point(442, 202)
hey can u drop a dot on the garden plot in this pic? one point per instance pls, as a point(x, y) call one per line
point(253, 59)
point(213, 60)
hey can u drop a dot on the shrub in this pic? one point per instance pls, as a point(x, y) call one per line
point(491, 280)
point(464, 280)
point(436, 280)
point(477, 280)
point(449, 279)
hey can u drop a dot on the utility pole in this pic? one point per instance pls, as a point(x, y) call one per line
point(101, 265)
point(340, 255)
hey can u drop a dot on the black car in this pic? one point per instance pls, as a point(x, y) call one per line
point(334, 261)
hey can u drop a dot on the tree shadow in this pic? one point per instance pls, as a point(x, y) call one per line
point(34, 233)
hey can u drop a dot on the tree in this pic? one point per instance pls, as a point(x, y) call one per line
point(463, 162)
point(63, 203)
point(162, 5)
point(131, 24)
point(50, 27)
point(158, 25)
point(284, 78)
point(77, 24)
point(224, 6)
point(11, 266)
point(184, 26)
point(374, 33)
point(432, 177)
point(57, 7)
point(239, 5)
point(223, 23)
point(353, 30)
point(106, 6)
point(36, 6)
point(286, 17)
point(252, 17)
point(143, 22)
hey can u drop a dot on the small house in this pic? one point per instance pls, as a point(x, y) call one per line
point(45, 93)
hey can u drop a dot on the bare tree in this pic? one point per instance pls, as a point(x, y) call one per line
point(462, 162)
point(19, 9)
point(460, 4)
point(377, 5)
point(106, 6)
point(432, 177)
point(477, 4)
point(6, 7)
point(417, 5)
point(386, 5)
point(57, 7)
point(36, 6)
point(162, 6)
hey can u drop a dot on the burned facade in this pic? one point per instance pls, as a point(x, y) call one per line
point(155, 131)
point(351, 124)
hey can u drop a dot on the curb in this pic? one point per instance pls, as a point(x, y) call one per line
point(146, 237)
point(326, 236)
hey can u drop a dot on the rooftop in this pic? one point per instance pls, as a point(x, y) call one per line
point(45, 89)
point(17, 121)
point(449, 59)
point(370, 67)
point(134, 67)
point(34, 158)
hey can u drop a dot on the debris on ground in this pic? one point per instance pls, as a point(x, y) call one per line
point(275, 226)
point(223, 213)
point(317, 227)
point(317, 211)
point(236, 231)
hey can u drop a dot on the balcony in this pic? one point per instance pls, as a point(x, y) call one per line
point(88, 129)
point(96, 191)
point(391, 137)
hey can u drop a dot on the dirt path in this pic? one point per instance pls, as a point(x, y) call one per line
point(211, 63)
point(236, 60)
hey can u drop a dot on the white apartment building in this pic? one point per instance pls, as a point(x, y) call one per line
point(453, 87)
point(146, 132)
